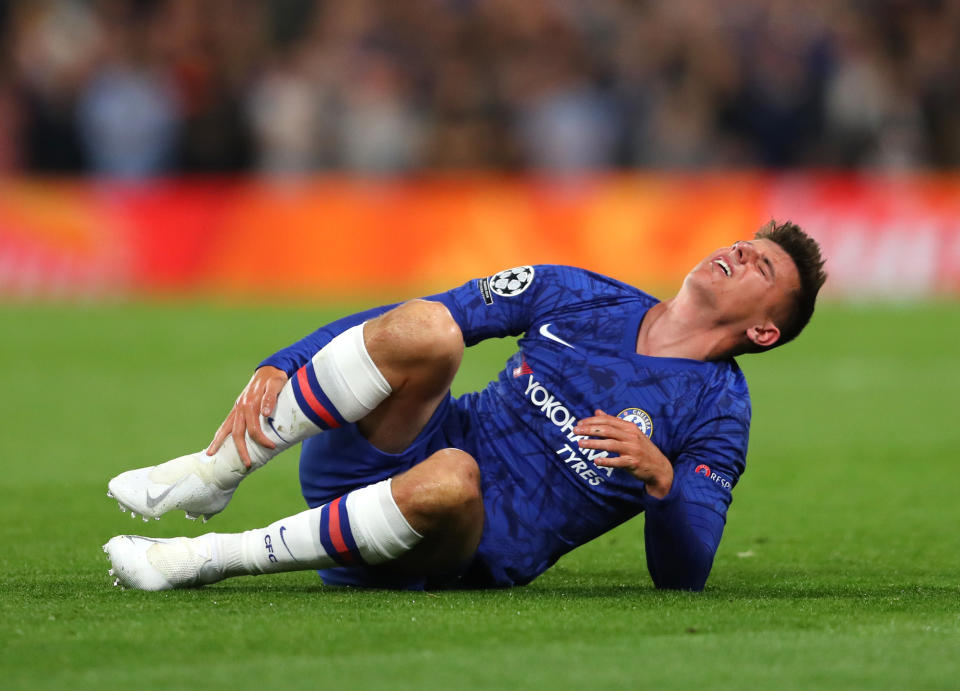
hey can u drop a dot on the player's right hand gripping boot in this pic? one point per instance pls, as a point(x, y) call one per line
point(197, 484)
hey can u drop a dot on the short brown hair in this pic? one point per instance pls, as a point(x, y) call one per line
point(805, 253)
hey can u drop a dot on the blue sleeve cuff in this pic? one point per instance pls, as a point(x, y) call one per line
point(280, 362)
point(663, 503)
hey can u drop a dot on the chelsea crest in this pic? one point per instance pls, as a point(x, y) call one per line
point(638, 417)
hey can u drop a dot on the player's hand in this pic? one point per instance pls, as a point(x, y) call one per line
point(634, 451)
point(259, 397)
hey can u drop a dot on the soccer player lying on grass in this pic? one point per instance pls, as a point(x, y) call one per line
point(412, 488)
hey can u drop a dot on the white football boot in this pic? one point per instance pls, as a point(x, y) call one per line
point(148, 563)
point(197, 484)
point(202, 485)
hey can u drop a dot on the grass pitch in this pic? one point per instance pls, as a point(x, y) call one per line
point(839, 568)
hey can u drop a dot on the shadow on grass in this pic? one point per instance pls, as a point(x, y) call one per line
point(613, 586)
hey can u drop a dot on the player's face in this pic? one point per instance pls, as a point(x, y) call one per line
point(751, 281)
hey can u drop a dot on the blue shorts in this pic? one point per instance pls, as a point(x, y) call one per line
point(514, 548)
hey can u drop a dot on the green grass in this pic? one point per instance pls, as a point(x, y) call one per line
point(840, 567)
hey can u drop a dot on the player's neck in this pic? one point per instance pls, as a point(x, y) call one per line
point(673, 329)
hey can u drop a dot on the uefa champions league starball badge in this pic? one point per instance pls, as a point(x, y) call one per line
point(638, 417)
point(512, 281)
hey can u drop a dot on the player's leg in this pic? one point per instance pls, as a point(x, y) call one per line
point(427, 520)
point(390, 374)
point(418, 347)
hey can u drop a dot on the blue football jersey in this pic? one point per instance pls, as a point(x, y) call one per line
point(577, 353)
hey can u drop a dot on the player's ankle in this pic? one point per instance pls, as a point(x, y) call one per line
point(228, 467)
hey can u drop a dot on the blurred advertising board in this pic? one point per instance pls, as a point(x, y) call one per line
point(328, 238)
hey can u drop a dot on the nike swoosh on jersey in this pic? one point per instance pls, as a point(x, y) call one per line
point(545, 331)
point(153, 501)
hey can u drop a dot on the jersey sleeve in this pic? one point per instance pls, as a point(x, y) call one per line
point(509, 302)
point(295, 356)
point(683, 529)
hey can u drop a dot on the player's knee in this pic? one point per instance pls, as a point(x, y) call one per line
point(459, 478)
point(442, 491)
point(419, 329)
point(440, 336)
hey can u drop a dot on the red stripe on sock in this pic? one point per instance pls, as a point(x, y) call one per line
point(311, 399)
point(336, 535)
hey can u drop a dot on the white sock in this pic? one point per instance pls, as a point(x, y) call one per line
point(340, 384)
point(363, 527)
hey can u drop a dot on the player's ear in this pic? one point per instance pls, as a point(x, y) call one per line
point(763, 335)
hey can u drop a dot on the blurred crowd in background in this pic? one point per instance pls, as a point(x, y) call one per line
point(139, 88)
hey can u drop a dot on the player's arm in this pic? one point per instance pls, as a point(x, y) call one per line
point(685, 510)
point(477, 307)
point(682, 529)
point(510, 302)
point(296, 355)
point(681, 536)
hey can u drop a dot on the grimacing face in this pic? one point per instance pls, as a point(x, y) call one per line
point(749, 284)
